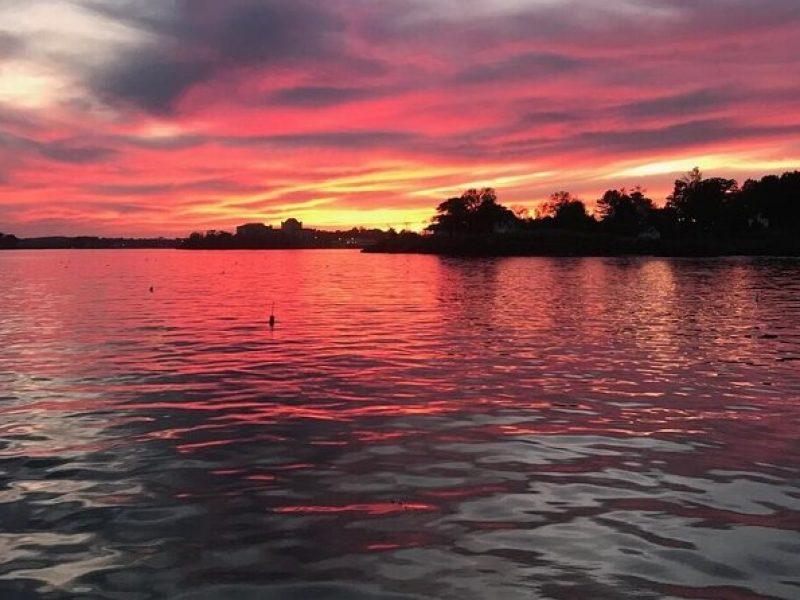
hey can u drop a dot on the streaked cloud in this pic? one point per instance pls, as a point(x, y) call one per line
point(161, 117)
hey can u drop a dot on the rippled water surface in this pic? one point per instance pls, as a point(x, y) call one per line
point(414, 427)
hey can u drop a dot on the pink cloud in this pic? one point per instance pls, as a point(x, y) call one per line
point(217, 113)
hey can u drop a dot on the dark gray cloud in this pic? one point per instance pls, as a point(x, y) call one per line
point(197, 40)
point(681, 104)
point(248, 31)
point(19, 120)
point(682, 135)
point(319, 96)
point(74, 152)
point(717, 16)
point(534, 65)
point(571, 23)
point(150, 79)
point(687, 134)
point(10, 45)
point(70, 151)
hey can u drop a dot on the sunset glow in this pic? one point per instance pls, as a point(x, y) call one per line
point(160, 118)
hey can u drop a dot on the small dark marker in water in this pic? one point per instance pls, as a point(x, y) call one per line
point(151, 289)
point(272, 317)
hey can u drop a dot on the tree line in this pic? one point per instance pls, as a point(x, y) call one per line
point(697, 207)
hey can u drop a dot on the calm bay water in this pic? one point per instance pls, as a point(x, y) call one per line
point(414, 427)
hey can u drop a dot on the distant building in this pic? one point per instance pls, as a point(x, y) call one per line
point(292, 226)
point(253, 230)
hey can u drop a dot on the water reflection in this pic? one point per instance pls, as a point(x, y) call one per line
point(413, 427)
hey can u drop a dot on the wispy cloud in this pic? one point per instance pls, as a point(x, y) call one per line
point(158, 117)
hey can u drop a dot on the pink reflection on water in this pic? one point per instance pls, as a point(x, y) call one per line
point(496, 398)
point(374, 509)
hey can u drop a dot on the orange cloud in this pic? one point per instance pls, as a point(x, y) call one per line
point(197, 115)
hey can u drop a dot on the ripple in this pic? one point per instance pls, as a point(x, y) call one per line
point(415, 427)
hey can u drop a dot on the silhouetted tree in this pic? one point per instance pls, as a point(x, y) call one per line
point(452, 217)
point(550, 208)
point(700, 203)
point(626, 213)
point(474, 212)
point(772, 201)
point(566, 211)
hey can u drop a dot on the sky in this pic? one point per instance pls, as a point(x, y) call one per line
point(162, 117)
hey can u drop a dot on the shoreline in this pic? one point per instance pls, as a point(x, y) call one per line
point(537, 243)
point(574, 244)
point(473, 254)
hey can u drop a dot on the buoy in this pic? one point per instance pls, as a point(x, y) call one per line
point(272, 317)
point(151, 289)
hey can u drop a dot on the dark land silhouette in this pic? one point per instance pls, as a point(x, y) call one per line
point(702, 217)
point(8, 241)
point(12, 242)
point(291, 235)
point(271, 239)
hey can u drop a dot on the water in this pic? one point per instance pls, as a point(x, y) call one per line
point(414, 427)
